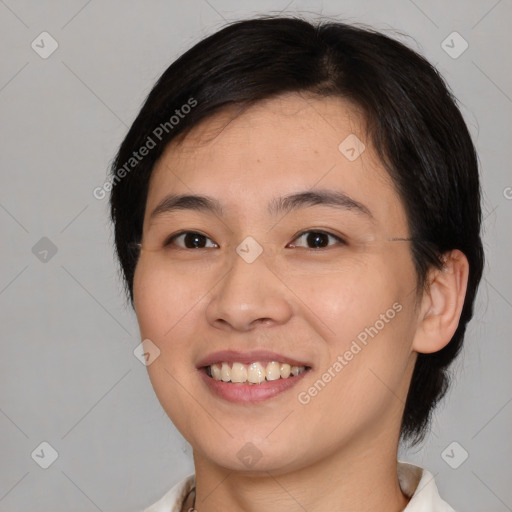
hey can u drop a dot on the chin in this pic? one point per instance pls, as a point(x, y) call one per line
point(253, 457)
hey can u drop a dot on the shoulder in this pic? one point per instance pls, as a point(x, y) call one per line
point(416, 483)
point(172, 500)
point(419, 485)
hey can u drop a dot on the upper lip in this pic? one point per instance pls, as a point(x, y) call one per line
point(232, 356)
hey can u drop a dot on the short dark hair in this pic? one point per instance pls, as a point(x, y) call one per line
point(412, 120)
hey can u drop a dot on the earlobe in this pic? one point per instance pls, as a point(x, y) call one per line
point(442, 304)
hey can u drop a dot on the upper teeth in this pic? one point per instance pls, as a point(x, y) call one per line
point(254, 373)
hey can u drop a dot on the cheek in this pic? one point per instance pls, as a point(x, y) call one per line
point(365, 371)
point(354, 295)
point(366, 317)
point(148, 301)
point(374, 325)
point(163, 299)
point(164, 304)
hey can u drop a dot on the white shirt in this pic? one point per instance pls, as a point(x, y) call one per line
point(416, 483)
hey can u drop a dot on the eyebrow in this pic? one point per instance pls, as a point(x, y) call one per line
point(286, 204)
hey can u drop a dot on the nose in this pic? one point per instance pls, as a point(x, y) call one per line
point(249, 295)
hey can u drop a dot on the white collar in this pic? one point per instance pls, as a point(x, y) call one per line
point(416, 483)
point(419, 485)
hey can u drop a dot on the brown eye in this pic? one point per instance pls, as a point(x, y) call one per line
point(190, 240)
point(318, 239)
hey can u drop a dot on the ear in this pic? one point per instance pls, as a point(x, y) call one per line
point(441, 304)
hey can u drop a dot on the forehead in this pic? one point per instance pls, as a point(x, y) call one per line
point(292, 125)
point(276, 147)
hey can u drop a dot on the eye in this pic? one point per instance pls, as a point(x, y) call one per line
point(318, 239)
point(194, 240)
point(190, 239)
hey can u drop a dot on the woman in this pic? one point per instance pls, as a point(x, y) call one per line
point(297, 218)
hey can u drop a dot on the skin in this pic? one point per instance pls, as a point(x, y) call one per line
point(337, 452)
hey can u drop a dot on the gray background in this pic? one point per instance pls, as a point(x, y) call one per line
point(68, 373)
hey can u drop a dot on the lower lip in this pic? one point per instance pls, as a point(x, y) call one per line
point(246, 393)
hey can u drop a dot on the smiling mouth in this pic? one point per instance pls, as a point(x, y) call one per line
point(253, 373)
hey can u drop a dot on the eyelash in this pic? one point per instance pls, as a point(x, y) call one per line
point(172, 238)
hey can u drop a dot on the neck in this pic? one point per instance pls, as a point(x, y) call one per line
point(360, 477)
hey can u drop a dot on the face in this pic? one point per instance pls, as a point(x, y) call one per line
point(272, 279)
